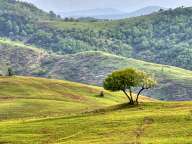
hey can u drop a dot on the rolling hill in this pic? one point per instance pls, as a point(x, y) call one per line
point(172, 125)
point(163, 37)
point(29, 97)
point(70, 39)
point(38, 110)
point(20, 56)
point(91, 68)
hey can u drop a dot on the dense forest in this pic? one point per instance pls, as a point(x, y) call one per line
point(164, 37)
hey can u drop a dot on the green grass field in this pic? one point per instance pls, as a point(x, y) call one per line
point(22, 97)
point(42, 111)
point(150, 123)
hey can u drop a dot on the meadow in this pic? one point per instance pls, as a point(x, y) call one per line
point(42, 111)
point(36, 110)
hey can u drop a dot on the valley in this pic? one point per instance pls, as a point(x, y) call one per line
point(76, 80)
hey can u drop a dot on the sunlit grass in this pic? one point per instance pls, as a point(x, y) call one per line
point(37, 110)
point(22, 97)
point(150, 123)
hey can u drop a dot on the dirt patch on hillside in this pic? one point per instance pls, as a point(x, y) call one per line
point(3, 98)
point(75, 97)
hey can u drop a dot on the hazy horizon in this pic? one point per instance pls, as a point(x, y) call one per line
point(123, 5)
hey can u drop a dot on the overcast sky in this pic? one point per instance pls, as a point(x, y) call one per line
point(124, 5)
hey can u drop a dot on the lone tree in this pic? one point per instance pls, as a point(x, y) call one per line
point(9, 71)
point(127, 79)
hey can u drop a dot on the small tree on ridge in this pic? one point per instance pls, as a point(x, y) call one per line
point(127, 79)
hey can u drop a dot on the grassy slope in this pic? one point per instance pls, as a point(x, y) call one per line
point(22, 97)
point(150, 123)
point(91, 68)
point(37, 110)
point(23, 59)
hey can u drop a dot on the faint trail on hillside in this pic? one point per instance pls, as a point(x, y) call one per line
point(147, 121)
point(65, 139)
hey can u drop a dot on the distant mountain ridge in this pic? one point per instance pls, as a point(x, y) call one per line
point(91, 13)
point(143, 11)
point(110, 13)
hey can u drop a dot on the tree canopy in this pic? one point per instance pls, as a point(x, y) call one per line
point(127, 79)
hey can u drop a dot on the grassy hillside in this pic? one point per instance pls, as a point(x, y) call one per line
point(22, 97)
point(163, 37)
point(37, 110)
point(91, 68)
point(150, 123)
point(23, 59)
point(30, 97)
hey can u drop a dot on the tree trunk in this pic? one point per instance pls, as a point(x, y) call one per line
point(130, 100)
point(131, 95)
point(139, 95)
